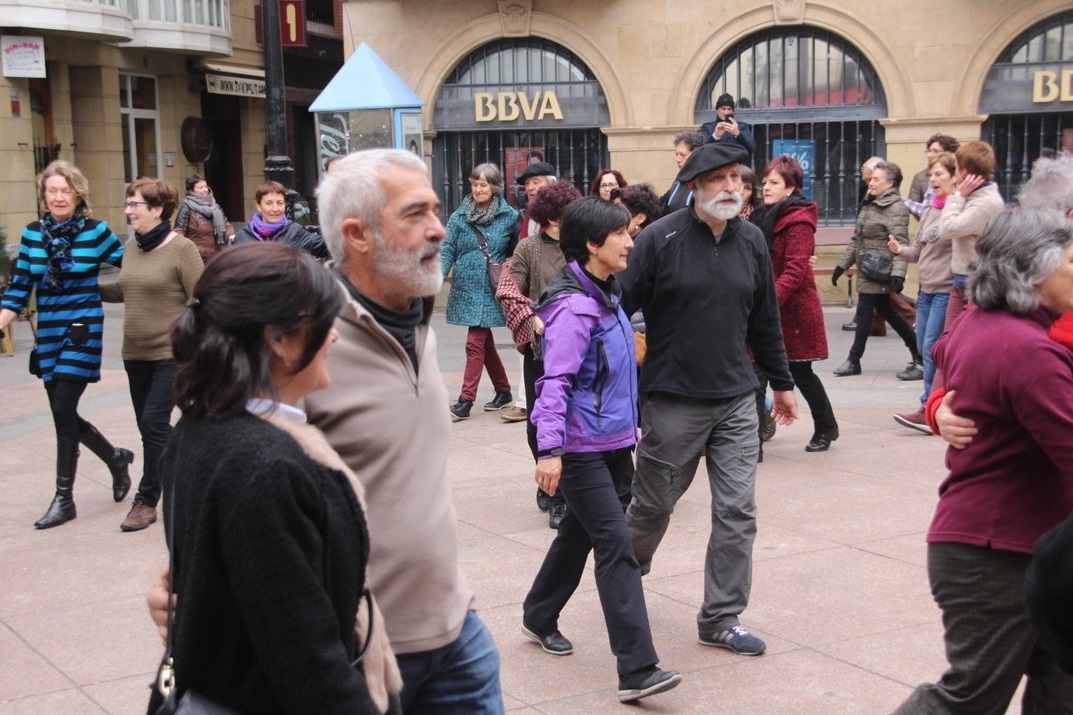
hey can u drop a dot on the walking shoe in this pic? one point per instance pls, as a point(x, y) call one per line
point(556, 513)
point(647, 681)
point(501, 400)
point(851, 326)
point(849, 367)
point(914, 421)
point(821, 441)
point(912, 371)
point(514, 414)
point(460, 410)
point(141, 515)
point(554, 643)
point(767, 428)
point(543, 500)
point(736, 639)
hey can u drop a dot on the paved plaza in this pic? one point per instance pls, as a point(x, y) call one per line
point(839, 593)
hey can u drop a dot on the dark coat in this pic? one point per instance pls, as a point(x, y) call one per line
point(795, 285)
point(293, 234)
point(882, 216)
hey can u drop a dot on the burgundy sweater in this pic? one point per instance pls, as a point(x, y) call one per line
point(1015, 480)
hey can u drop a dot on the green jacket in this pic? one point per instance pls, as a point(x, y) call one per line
point(882, 216)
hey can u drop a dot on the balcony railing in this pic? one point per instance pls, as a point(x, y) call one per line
point(194, 26)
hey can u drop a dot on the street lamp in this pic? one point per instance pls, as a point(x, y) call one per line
point(277, 164)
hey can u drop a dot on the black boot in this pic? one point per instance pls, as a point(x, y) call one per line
point(62, 508)
point(851, 366)
point(117, 459)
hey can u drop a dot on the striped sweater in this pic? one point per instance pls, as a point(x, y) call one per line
point(75, 354)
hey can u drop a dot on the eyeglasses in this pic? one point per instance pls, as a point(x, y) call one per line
point(609, 186)
point(66, 193)
point(135, 204)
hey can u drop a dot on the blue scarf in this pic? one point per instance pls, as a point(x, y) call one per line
point(264, 230)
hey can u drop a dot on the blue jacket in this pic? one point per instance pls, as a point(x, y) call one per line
point(472, 300)
point(587, 399)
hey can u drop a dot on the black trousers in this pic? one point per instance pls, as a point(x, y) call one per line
point(881, 302)
point(808, 382)
point(597, 490)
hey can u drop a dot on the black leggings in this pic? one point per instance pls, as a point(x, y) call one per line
point(63, 397)
point(881, 302)
point(808, 382)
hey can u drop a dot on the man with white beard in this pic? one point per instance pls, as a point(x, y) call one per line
point(704, 281)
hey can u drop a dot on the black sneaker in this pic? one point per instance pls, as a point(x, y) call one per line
point(501, 400)
point(647, 681)
point(555, 643)
point(543, 500)
point(556, 513)
point(460, 410)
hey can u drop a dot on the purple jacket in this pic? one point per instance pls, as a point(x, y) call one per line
point(1015, 481)
point(587, 399)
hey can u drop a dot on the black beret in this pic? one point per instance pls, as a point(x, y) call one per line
point(710, 157)
point(540, 168)
point(725, 100)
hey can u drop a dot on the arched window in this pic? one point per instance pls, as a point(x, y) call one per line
point(513, 99)
point(807, 93)
point(1027, 98)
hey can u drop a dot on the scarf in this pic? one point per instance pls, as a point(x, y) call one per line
point(264, 231)
point(58, 238)
point(206, 206)
point(765, 217)
point(478, 216)
point(938, 201)
point(153, 237)
point(401, 325)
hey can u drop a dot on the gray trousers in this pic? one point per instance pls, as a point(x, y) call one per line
point(675, 432)
point(990, 641)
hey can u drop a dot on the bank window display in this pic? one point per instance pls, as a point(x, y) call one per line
point(1028, 95)
point(513, 102)
point(140, 119)
point(810, 94)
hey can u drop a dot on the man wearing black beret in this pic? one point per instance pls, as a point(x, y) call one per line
point(726, 128)
point(703, 278)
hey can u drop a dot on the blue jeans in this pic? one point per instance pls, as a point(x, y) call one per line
point(460, 678)
point(931, 316)
point(151, 391)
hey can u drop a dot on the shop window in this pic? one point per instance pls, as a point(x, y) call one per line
point(1028, 99)
point(810, 94)
point(140, 120)
point(513, 100)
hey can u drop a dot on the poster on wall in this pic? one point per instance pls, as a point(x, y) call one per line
point(24, 55)
point(412, 136)
point(804, 150)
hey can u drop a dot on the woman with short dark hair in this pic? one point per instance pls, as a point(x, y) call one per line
point(586, 422)
point(265, 523)
point(271, 223)
point(160, 268)
point(71, 321)
point(642, 203)
point(1013, 482)
point(202, 220)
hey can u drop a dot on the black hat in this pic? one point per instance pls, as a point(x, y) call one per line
point(725, 100)
point(540, 168)
point(710, 157)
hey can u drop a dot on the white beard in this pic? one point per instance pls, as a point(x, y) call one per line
point(404, 267)
point(723, 212)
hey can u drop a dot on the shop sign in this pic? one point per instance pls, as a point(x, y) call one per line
point(1021, 88)
point(239, 86)
point(511, 106)
point(549, 105)
point(24, 55)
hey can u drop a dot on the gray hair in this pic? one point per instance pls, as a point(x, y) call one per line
point(1051, 185)
point(1017, 251)
point(892, 171)
point(352, 189)
point(488, 172)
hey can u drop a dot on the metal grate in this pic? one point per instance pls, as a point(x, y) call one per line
point(576, 154)
point(814, 91)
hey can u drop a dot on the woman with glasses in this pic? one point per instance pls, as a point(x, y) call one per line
point(159, 271)
point(484, 217)
point(605, 181)
point(61, 256)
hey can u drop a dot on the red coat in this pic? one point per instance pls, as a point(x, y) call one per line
point(795, 285)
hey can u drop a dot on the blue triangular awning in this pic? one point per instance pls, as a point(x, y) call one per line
point(365, 82)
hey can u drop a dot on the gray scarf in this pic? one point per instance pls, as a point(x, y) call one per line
point(205, 204)
point(478, 216)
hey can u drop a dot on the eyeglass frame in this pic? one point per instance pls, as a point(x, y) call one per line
point(134, 204)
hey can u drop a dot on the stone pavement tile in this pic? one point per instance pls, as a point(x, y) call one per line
point(499, 570)
point(124, 696)
point(70, 702)
point(909, 655)
point(95, 642)
point(25, 672)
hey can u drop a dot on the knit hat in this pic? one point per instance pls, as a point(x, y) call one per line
point(725, 100)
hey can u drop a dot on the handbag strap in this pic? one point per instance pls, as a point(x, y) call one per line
point(482, 242)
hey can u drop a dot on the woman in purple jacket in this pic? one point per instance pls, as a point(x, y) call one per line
point(585, 417)
point(1014, 481)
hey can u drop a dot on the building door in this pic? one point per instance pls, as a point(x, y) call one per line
point(223, 168)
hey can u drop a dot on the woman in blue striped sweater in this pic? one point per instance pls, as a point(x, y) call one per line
point(61, 256)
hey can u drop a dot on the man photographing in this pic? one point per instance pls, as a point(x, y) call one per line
point(726, 128)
